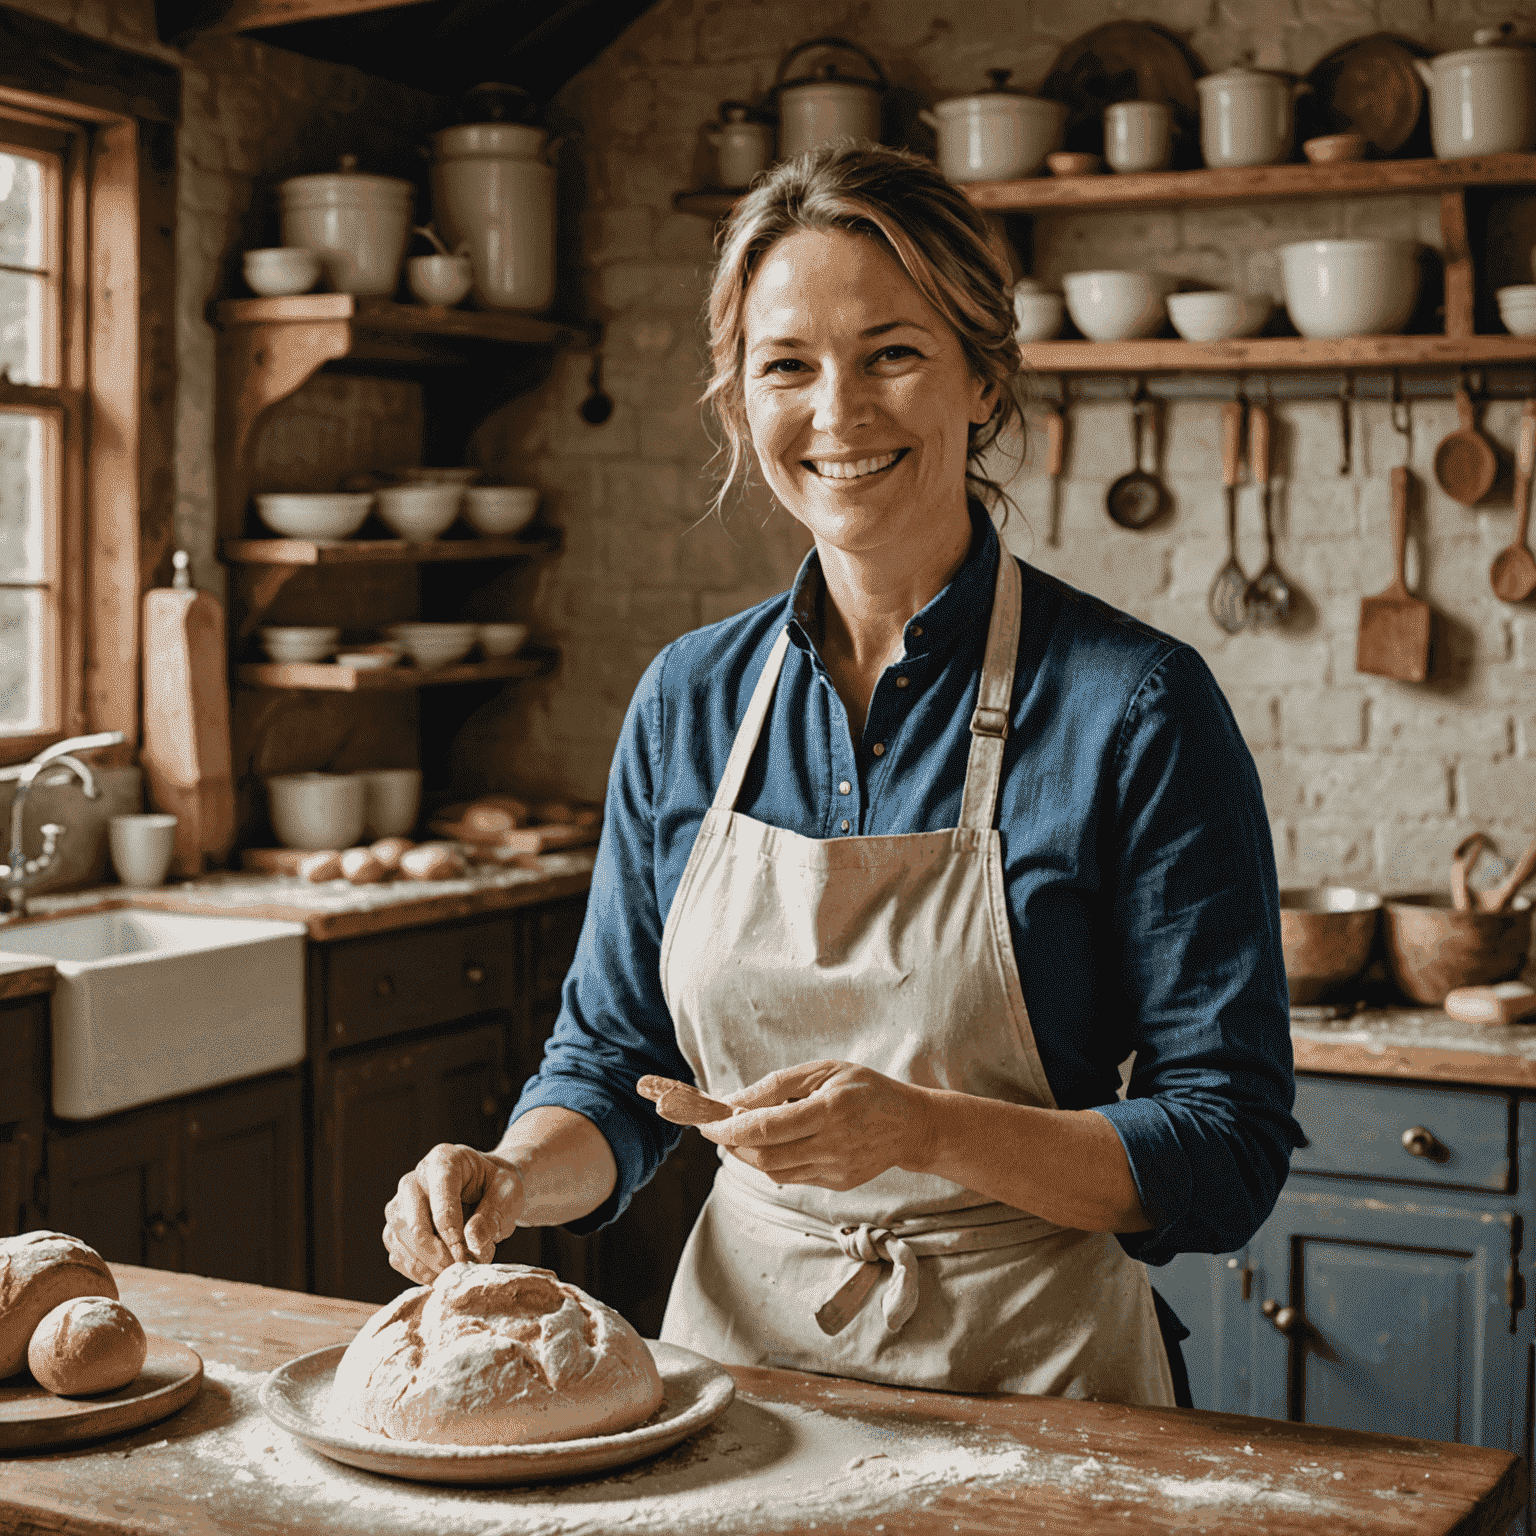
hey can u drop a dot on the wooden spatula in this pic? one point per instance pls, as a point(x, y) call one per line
point(1395, 625)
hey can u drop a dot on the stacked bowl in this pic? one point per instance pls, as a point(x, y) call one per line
point(1517, 309)
point(434, 645)
point(1118, 306)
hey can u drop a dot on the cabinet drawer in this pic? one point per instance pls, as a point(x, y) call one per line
point(1452, 1136)
point(398, 982)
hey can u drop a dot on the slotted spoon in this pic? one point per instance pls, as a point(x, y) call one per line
point(1268, 598)
point(1229, 592)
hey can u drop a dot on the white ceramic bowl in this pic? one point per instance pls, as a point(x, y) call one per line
point(1339, 288)
point(1037, 315)
point(451, 474)
point(299, 642)
point(418, 512)
point(439, 279)
point(434, 645)
point(1218, 316)
point(279, 270)
point(370, 658)
point(500, 509)
point(502, 639)
point(335, 515)
point(1517, 308)
point(1118, 306)
point(391, 799)
point(316, 810)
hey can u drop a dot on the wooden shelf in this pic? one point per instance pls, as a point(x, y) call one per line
point(1262, 353)
point(297, 552)
point(384, 316)
point(329, 677)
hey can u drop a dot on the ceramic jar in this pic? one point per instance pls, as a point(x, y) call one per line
point(1482, 100)
point(742, 148)
point(1138, 136)
point(997, 135)
point(358, 224)
point(819, 107)
point(1247, 117)
point(493, 192)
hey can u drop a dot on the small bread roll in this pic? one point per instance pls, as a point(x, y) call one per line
point(360, 867)
point(432, 861)
point(320, 867)
point(388, 850)
point(87, 1345)
point(38, 1270)
point(486, 822)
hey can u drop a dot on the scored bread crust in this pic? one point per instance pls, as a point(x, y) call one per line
point(87, 1344)
point(496, 1354)
point(38, 1270)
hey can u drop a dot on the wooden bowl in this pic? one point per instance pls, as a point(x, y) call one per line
point(1326, 932)
point(1065, 163)
point(1333, 148)
point(1432, 949)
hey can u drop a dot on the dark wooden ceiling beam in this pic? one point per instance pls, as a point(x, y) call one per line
point(211, 17)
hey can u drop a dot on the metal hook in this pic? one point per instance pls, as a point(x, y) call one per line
point(1346, 424)
point(1402, 419)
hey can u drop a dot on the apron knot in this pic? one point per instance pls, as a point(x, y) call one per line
point(871, 1247)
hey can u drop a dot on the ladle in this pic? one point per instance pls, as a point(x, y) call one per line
point(1513, 573)
point(1138, 499)
point(598, 406)
point(1465, 464)
point(1229, 591)
point(1268, 598)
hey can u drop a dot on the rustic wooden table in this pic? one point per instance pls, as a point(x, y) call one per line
point(794, 1453)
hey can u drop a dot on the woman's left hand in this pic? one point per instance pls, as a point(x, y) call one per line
point(827, 1123)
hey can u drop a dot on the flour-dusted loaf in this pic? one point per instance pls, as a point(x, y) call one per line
point(38, 1270)
point(496, 1354)
point(89, 1344)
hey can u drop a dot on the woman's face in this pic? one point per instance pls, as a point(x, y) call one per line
point(858, 396)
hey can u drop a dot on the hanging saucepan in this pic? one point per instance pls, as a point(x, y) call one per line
point(1138, 499)
point(826, 105)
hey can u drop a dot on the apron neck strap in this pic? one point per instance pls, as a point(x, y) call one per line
point(989, 724)
point(751, 727)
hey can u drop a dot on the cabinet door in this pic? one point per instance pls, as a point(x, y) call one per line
point(382, 1110)
point(1399, 1319)
point(242, 1155)
point(112, 1186)
point(1213, 1296)
point(23, 1045)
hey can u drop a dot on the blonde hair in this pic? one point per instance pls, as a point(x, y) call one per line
point(932, 230)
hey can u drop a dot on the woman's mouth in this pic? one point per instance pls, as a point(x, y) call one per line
point(855, 469)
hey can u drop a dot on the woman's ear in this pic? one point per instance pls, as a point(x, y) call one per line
point(983, 402)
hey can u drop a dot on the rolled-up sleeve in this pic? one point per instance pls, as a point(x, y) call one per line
point(614, 1025)
point(1206, 1123)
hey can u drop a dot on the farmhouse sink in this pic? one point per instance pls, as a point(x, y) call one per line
point(151, 1005)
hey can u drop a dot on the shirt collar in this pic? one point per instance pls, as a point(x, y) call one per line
point(938, 623)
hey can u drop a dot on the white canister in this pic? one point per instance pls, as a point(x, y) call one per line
point(1482, 100)
point(817, 108)
point(493, 192)
point(359, 224)
point(1247, 117)
point(1138, 136)
point(998, 135)
point(742, 148)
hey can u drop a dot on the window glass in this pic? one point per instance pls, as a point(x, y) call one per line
point(23, 465)
point(22, 212)
point(23, 314)
point(21, 662)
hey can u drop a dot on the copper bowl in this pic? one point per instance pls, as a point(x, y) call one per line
point(1326, 931)
point(1335, 148)
point(1432, 949)
point(1063, 162)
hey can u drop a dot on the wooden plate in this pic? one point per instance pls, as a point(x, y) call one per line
point(296, 1398)
point(1369, 86)
point(32, 1418)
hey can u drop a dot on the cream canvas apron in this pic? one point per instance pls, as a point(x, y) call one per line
point(893, 952)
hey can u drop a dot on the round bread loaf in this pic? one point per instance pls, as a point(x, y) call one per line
point(87, 1345)
point(496, 1354)
point(38, 1270)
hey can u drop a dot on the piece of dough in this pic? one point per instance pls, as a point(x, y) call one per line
point(87, 1345)
point(38, 1270)
point(496, 1354)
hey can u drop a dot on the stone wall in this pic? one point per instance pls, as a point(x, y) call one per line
point(1367, 780)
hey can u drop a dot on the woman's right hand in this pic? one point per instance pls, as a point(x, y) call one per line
point(424, 1225)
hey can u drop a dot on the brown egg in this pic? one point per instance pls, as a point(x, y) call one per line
point(320, 867)
point(432, 861)
point(388, 850)
point(360, 867)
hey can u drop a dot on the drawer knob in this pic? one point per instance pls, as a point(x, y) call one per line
point(158, 1228)
point(474, 975)
point(1418, 1142)
point(489, 1107)
point(384, 986)
point(1287, 1320)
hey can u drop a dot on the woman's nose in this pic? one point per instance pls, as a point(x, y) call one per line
point(842, 401)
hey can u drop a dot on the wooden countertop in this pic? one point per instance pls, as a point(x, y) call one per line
point(793, 1453)
point(1417, 1043)
point(21, 977)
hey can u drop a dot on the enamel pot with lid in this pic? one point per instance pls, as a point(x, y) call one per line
point(359, 224)
point(998, 135)
point(742, 146)
point(1247, 117)
point(826, 105)
point(1482, 100)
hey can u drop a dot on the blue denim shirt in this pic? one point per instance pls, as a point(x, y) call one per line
point(1136, 855)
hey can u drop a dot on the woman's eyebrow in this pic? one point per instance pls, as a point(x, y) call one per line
point(874, 330)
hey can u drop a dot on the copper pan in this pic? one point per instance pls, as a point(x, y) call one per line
point(1432, 948)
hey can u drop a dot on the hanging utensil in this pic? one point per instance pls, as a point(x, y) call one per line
point(1346, 424)
point(1055, 455)
point(1465, 463)
point(1513, 573)
point(1268, 598)
point(1501, 897)
point(1138, 499)
point(1227, 600)
point(1395, 625)
point(1468, 851)
point(598, 406)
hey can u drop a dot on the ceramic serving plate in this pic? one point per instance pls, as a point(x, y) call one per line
point(297, 1398)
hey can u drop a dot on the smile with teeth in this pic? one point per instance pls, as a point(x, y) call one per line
point(830, 469)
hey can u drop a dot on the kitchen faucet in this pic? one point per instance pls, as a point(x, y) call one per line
point(16, 875)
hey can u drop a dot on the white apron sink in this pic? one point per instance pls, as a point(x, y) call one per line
point(151, 1005)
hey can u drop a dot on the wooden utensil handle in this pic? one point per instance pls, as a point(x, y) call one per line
point(1231, 441)
point(1055, 443)
point(1464, 411)
point(1502, 896)
point(1525, 461)
point(1400, 530)
point(1258, 443)
point(682, 1103)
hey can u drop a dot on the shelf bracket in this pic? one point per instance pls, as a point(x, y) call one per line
point(1460, 281)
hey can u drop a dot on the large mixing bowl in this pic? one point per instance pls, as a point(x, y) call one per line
point(1339, 288)
point(1432, 949)
point(1118, 306)
point(1326, 932)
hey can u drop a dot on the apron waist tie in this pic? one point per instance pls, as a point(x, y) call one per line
point(900, 1245)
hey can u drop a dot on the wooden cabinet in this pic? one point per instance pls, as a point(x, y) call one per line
point(23, 1092)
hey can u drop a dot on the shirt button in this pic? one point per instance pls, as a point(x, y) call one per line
point(844, 788)
point(901, 682)
point(845, 826)
point(878, 749)
point(917, 630)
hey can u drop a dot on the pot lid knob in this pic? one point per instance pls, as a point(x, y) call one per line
point(1492, 37)
point(733, 111)
point(999, 78)
point(347, 165)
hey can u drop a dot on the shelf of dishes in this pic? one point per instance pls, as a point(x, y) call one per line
point(1345, 354)
point(388, 551)
point(384, 315)
point(413, 654)
point(419, 510)
point(334, 677)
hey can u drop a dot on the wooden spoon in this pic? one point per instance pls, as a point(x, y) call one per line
point(1465, 464)
point(1513, 573)
point(1502, 897)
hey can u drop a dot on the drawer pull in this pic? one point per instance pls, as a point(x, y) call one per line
point(1245, 1273)
point(158, 1228)
point(1286, 1320)
point(384, 986)
point(1418, 1142)
point(474, 975)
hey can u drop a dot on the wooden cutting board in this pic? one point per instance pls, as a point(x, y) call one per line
point(1394, 638)
point(186, 723)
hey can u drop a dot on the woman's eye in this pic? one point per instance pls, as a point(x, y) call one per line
point(896, 354)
